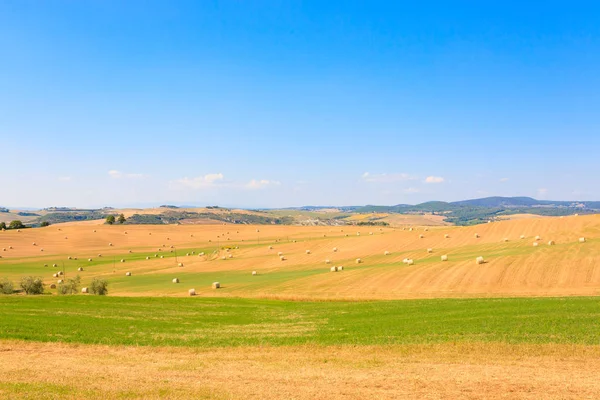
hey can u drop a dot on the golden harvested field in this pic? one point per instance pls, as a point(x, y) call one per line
point(451, 371)
point(512, 268)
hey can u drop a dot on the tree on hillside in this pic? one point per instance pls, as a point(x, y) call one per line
point(2, 225)
point(16, 224)
point(121, 218)
point(45, 223)
point(110, 219)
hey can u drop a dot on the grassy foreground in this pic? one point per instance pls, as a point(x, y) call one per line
point(202, 322)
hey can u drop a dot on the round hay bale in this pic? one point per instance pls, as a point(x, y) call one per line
point(357, 233)
point(180, 265)
point(230, 255)
point(327, 262)
point(340, 268)
point(54, 265)
point(358, 260)
point(370, 233)
point(270, 247)
point(55, 275)
point(60, 273)
point(59, 281)
point(426, 229)
point(216, 285)
point(538, 238)
point(581, 240)
point(505, 240)
point(346, 235)
point(551, 243)
point(187, 254)
point(279, 253)
point(33, 244)
point(122, 260)
point(192, 292)
point(69, 258)
point(110, 245)
point(45, 265)
point(41, 249)
point(477, 236)
point(335, 249)
point(333, 269)
point(444, 258)
point(127, 273)
point(94, 231)
point(522, 236)
point(74, 258)
point(99, 255)
point(130, 251)
point(430, 250)
point(307, 251)
point(201, 254)
point(421, 236)
point(410, 262)
point(147, 258)
point(162, 256)
point(223, 258)
point(386, 253)
point(479, 260)
point(80, 269)
point(90, 260)
point(53, 286)
point(282, 258)
point(175, 280)
point(125, 232)
point(535, 244)
point(254, 273)
point(446, 236)
point(84, 290)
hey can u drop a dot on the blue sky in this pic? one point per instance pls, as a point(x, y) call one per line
point(273, 103)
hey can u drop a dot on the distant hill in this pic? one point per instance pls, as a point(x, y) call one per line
point(477, 211)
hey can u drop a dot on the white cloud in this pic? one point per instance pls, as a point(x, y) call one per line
point(261, 184)
point(504, 179)
point(64, 178)
point(386, 178)
point(200, 182)
point(411, 190)
point(113, 173)
point(434, 179)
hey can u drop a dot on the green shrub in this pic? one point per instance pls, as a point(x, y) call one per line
point(16, 224)
point(110, 219)
point(2, 225)
point(44, 224)
point(6, 286)
point(69, 286)
point(99, 287)
point(32, 285)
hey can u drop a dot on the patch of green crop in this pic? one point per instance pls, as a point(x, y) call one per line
point(208, 322)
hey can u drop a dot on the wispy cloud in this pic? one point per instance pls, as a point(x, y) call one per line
point(412, 190)
point(113, 173)
point(434, 179)
point(64, 178)
point(386, 178)
point(261, 184)
point(200, 182)
point(504, 179)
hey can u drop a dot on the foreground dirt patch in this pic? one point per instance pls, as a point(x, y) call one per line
point(450, 371)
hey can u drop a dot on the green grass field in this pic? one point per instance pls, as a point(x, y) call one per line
point(205, 322)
